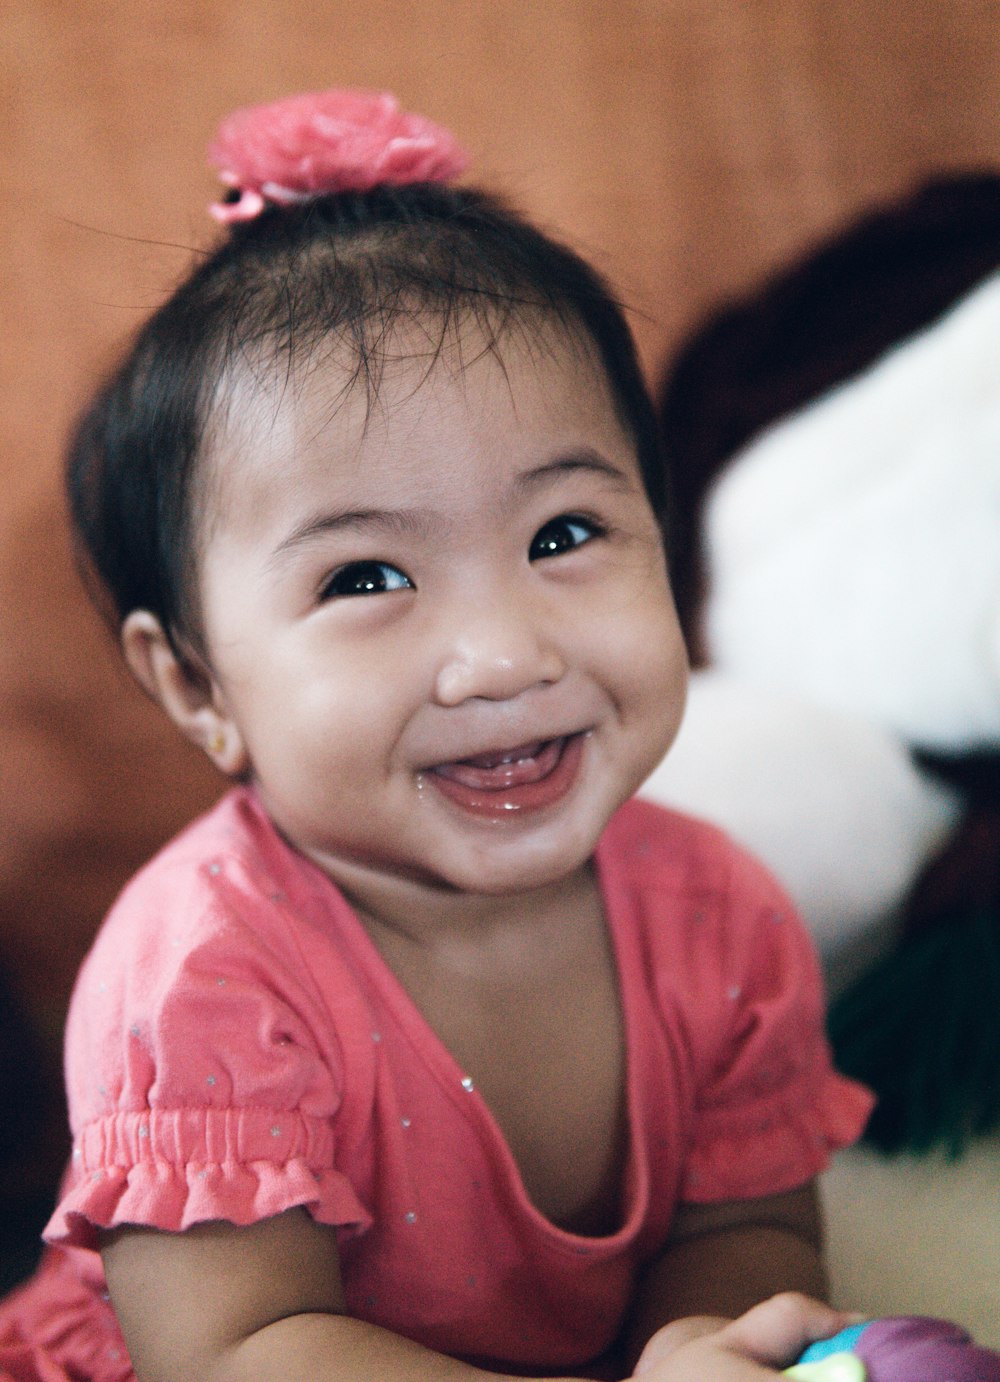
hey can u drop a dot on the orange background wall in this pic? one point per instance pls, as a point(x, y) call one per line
point(686, 145)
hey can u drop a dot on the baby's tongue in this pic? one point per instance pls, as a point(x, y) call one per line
point(503, 768)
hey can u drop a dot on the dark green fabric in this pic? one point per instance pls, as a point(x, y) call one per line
point(922, 1028)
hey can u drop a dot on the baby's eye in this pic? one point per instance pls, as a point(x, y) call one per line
point(365, 578)
point(560, 535)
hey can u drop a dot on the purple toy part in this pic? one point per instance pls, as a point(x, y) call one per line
point(909, 1348)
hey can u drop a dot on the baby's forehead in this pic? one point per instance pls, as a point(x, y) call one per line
point(274, 402)
point(359, 373)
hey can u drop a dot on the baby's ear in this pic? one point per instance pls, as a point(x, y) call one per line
point(186, 690)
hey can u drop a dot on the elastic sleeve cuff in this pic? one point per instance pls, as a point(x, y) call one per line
point(170, 1170)
point(775, 1144)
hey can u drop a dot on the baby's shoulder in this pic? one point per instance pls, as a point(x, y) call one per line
point(218, 954)
point(658, 848)
point(710, 922)
point(226, 894)
point(225, 849)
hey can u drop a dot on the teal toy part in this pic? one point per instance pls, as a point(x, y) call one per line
point(833, 1359)
point(844, 1342)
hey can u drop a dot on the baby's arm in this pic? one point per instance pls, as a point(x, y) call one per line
point(722, 1259)
point(264, 1303)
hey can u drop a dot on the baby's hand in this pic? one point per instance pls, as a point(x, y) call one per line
point(755, 1347)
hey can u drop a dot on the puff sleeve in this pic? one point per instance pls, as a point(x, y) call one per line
point(770, 1108)
point(739, 994)
point(205, 1076)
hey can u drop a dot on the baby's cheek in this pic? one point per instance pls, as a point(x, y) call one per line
point(646, 649)
point(668, 687)
point(655, 650)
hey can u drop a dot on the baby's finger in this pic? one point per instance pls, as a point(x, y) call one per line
point(778, 1330)
point(670, 1338)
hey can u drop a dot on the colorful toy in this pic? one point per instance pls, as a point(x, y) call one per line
point(902, 1348)
point(834, 442)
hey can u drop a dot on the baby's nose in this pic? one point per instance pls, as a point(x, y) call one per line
point(496, 651)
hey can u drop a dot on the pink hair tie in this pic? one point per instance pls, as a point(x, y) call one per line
point(325, 141)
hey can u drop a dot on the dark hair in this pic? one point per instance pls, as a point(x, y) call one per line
point(347, 265)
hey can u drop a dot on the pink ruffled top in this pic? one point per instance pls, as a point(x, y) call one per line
point(237, 1046)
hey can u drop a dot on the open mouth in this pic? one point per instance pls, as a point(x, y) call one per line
point(528, 777)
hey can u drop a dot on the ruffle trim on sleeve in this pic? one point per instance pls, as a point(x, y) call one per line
point(775, 1144)
point(169, 1170)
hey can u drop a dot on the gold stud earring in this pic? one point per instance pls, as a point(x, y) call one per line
point(217, 742)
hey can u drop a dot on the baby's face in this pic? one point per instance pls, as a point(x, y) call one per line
point(439, 621)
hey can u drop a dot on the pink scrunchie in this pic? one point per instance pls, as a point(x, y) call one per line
point(326, 141)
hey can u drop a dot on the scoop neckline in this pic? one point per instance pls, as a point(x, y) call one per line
point(442, 1065)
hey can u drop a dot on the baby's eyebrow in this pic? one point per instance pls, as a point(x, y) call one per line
point(542, 475)
point(418, 523)
point(392, 522)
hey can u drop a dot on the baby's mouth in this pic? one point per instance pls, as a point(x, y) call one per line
point(503, 782)
point(503, 768)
